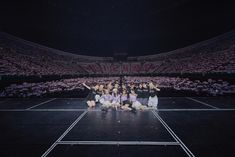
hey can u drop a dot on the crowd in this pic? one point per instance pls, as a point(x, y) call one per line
point(50, 88)
point(18, 57)
point(25, 58)
point(14, 63)
point(75, 85)
point(210, 86)
point(213, 62)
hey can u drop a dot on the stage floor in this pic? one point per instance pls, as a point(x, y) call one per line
point(181, 126)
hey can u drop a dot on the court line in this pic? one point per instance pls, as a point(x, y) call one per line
point(98, 110)
point(64, 134)
point(41, 103)
point(209, 109)
point(183, 146)
point(73, 98)
point(12, 110)
point(206, 104)
point(58, 110)
point(117, 143)
point(41, 110)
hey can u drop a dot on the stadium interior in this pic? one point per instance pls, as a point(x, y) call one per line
point(117, 78)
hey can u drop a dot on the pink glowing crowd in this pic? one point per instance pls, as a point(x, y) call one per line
point(40, 89)
point(18, 57)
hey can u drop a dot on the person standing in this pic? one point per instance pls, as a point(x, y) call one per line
point(153, 99)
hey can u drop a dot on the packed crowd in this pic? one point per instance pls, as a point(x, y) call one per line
point(210, 86)
point(51, 87)
point(14, 63)
point(75, 85)
point(213, 62)
point(24, 58)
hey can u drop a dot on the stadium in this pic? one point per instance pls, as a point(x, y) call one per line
point(121, 102)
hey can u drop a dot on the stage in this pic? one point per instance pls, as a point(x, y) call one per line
point(181, 126)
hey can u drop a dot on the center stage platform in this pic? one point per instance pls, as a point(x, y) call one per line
point(181, 126)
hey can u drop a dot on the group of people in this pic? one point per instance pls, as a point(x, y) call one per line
point(131, 96)
point(28, 60)
point(170, 86)
point(14, 62)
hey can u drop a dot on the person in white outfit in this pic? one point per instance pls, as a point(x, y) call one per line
point(153, 99)
point(106, 99)
point(116, 99)
point(135, 103)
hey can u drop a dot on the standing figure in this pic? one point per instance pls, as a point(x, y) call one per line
point(153, 99)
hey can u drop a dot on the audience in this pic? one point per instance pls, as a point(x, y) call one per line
point(210, 87)
point(20, 57)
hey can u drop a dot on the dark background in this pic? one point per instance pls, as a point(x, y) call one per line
point(104, 27)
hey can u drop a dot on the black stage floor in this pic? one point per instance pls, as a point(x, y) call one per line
point(181, 126)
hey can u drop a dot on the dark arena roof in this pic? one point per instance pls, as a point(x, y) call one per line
point(102, 28)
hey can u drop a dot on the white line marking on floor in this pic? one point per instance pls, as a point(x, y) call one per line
point(72, 98)
point(58, 110)
point(97, 110)
point(209, 109)
point(41, 103)
point(64, 134)
point(184, 147)
point(117, 143)
point(202, 102)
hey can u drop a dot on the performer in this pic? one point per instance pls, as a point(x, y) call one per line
point(153, 99)
point(99, 93)
point(139, 92)
point(124, 101)
point(136, 104)
point(115, 98)
point(91, 96)
point(123, 87)
point(110, 87)
point(145, 94)
point(105, 100)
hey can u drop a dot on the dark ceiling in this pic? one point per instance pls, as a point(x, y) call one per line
point(104, 27)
